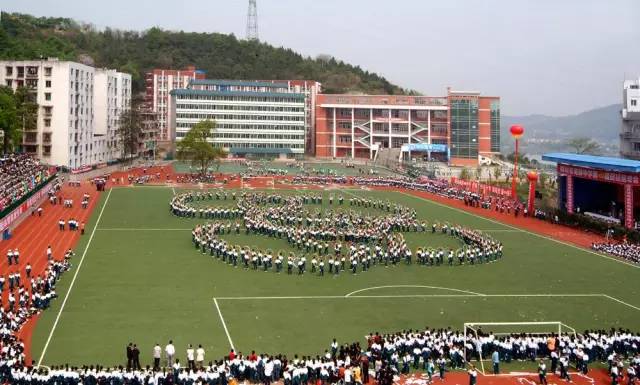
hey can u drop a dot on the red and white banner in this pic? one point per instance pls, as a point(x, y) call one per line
point(80, 170)
point(480, 188)
point(628, 206)
point(24, 207)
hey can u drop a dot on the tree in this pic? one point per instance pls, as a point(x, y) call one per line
point(465, 174)
point(584, 146)
point(26, 108)
point(9, 119)
point(195, 147)
point(130, 125)
point(496, 172)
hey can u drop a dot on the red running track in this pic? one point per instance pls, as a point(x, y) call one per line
point(33, 236)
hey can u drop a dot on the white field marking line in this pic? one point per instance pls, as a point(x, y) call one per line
point(413, 286)
point(410, 296)
point(352, 297)
point(141, 229)
point(173, 189)
point(224, 324)
point(637, 266)
point(622, 302)
point(73, 280)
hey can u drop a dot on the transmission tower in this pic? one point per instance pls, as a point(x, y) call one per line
point(252, 21)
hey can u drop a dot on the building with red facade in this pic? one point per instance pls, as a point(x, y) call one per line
point(463, 126)
point(159, 84)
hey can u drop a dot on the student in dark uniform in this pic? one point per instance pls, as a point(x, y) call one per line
point(135, 355)
point(129, 355)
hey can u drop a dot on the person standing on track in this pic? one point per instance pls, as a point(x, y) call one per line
point(49, 253)
point(542, 372)
point(27, 270)
point(473, 375)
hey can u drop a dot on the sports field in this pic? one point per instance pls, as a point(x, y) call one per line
point(138, 278)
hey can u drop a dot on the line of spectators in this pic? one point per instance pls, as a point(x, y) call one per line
point(19, 174)
point(384, 357)
point(624, 250)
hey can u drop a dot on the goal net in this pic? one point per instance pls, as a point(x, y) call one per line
point(483, 338)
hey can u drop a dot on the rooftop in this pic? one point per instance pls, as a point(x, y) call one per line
point(241, 83)
point(186, 91)
point(599, 162)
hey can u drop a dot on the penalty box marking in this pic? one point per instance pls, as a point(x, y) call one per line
point(470, 295)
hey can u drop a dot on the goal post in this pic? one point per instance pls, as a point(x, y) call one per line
point(475, 332)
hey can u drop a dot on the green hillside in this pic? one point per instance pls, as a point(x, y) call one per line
point(221, 56)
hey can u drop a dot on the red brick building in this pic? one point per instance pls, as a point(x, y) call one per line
point(159, 83)
point(466, 124)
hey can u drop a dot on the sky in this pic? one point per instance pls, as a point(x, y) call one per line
point(554, 57)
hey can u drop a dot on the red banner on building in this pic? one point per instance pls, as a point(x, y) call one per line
point(599, 175)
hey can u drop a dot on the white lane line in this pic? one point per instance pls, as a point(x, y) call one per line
point(622, 302)
point(637, 266)
point(224, 324)
point(412, 286)
point(474, 295)
point(73, 280)
point(141, 229)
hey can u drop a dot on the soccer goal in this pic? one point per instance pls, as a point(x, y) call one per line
point(476, 334)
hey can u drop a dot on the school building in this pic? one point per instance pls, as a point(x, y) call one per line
point(459, 128)
point(253, 118)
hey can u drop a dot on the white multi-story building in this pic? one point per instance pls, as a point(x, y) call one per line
point(252, 117)
point(630, 135)
point(113, 98)
point(73, 104)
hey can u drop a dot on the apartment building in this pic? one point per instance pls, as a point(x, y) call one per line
point(159, 83)
point(77, 109)
point(630, 132)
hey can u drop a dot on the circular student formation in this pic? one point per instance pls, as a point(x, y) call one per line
point(351, 235)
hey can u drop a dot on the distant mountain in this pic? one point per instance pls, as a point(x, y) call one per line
point(550, 133)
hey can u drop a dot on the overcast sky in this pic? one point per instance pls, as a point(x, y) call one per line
point(553, 57)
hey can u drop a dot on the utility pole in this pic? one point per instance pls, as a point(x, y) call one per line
point(252, 21)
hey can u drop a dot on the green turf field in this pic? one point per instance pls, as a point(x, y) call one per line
point(309, 167)
point(142, 280)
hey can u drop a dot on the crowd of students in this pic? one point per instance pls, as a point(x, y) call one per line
point(385, 356)
point(624, 250)
point(325, 241)
point(439, 187)
point(19, 174)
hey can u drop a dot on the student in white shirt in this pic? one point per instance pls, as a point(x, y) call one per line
point(200, 357)
point(170, 352)
point(191, 364)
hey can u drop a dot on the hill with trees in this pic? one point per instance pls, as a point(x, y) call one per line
point(221, 56)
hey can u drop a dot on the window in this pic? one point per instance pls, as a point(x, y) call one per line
point(634, 102)
point(9, 70)
point(47, 83)
point(47, 71)
point(9, 81)
point(47, 122)
point(47, 96)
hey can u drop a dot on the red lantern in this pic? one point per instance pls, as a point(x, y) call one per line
point(516, 131)
point(532, 176)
